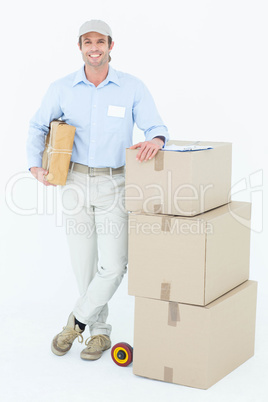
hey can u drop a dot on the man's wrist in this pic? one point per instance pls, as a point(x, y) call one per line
point(161, 140)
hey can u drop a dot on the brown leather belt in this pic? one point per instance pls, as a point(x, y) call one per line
point(91, 171)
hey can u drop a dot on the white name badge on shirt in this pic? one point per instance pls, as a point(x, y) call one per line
point(116, 111)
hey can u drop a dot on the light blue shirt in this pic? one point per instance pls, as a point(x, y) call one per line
point(103, 116)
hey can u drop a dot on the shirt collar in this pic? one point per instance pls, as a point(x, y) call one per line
point(112, 76)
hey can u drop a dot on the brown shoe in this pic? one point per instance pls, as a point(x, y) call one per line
point(95, 346)
point(63, 342)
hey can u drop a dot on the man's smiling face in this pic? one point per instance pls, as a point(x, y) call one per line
point(95, 49)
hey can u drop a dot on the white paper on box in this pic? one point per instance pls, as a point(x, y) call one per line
point(186, 148)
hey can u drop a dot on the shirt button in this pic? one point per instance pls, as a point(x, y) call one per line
point(94, 105)
point(94, 124)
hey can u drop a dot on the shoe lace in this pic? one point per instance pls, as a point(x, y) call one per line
point(70, 334)
point(96, 340)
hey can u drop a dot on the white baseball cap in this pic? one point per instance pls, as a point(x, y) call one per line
point(95, 26)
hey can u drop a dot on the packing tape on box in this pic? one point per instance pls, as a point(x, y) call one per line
point(165, 291)
point(166, 224)
point(159, 161)
point(168, 374)
point(173, 314)
point(157, 208)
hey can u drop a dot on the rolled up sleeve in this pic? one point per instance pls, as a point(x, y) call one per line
point(39, 126)
point(146, 116)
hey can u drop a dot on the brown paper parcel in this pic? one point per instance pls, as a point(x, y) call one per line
point(58, 151)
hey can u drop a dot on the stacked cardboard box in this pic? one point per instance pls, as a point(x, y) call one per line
point(189, 248)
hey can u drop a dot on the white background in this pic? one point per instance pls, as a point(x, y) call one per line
point(205, 62)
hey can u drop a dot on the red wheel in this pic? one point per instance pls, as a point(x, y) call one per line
point(122, 354)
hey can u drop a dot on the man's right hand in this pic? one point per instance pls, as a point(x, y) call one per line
point(40, 173)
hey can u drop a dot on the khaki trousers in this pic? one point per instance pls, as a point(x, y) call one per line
point(96, 226)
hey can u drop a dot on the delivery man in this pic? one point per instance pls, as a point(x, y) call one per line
point(103, 104)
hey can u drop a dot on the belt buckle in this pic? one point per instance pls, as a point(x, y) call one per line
point(91, 171)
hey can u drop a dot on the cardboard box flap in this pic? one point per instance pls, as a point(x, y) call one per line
point(247, 284)
point(225, 249)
